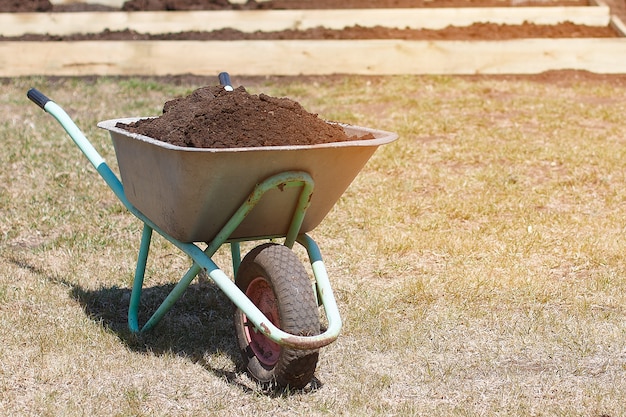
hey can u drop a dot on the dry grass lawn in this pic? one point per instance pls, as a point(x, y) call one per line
point(478, 262)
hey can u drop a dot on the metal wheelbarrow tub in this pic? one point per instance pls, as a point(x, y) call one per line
point(192, 192)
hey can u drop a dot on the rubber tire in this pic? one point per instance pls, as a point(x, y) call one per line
point(297, 310)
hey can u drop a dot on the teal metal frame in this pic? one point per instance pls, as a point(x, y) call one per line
point(202, 257)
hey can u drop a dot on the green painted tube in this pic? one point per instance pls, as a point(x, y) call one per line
point(135, 295)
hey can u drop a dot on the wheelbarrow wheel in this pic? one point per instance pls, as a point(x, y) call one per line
point(275, 280)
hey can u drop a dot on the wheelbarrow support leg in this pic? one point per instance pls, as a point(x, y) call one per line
point(235, 252)
point(135, 296)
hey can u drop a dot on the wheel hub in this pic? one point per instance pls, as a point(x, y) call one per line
point(261, 294)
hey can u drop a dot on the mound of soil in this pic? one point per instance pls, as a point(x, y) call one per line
point(212, 117)
point(14, 6)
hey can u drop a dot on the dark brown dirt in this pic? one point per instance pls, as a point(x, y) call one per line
point(476, 31)
point(212, 117)
point(331, 4)
point(25, 6)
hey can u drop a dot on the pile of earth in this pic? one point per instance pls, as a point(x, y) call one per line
point(212, 117)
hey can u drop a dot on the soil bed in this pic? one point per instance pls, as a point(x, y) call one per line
point(24, 6)
point(317, 36)
point(212, 117)
point(476, 31)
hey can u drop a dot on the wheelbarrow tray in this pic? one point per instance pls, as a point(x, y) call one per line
point(191, 193)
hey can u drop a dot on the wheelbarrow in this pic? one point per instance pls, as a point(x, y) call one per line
point(200, 199)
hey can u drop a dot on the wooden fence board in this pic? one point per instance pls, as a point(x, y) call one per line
point(117, 3)
point(110, 3)
point(374, 57)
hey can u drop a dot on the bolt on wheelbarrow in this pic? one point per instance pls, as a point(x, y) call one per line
point(202, 198)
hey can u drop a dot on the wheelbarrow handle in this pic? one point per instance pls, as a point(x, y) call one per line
point(224, 78)
point(38, 97)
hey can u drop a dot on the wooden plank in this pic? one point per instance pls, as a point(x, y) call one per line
point(618, 25)
point(110, 3)
point(375, 57)
point(16, 24)
point(120, 3)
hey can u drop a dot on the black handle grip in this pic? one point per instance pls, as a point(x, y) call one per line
point(37, 97)
point(225, 81)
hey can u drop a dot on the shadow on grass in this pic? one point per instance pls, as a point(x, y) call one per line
point(198, 325)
